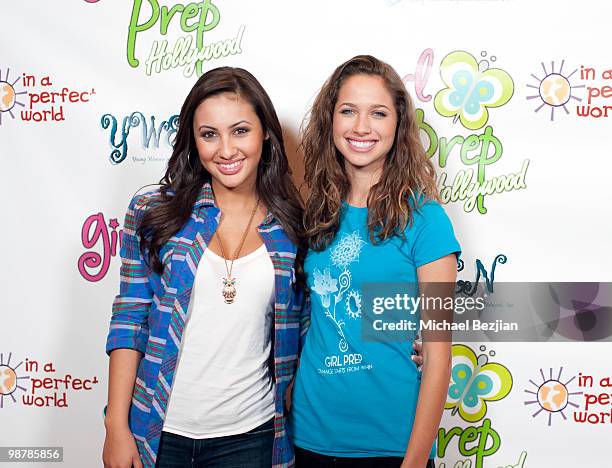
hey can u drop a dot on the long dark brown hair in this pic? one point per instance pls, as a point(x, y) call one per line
point(407, 172)
point(185, 174)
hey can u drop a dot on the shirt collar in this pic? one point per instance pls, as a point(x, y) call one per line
point(269, 219)
point(206, 198)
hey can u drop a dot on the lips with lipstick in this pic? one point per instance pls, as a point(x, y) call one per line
point(361, 146)
point(230, 168)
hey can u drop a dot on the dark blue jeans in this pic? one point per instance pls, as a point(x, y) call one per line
point(253, 449)
point(307, 459)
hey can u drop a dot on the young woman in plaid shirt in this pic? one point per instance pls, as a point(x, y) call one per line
point(200, 310)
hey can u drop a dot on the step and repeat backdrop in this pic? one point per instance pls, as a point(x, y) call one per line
point(90, 93)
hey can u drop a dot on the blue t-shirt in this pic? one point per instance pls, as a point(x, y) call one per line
point(355, 398)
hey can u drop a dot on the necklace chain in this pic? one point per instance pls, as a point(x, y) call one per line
point(229, 282)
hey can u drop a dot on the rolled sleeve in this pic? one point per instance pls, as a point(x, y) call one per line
point(130, 312)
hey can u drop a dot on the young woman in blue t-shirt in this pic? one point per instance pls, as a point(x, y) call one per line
point(372, 216)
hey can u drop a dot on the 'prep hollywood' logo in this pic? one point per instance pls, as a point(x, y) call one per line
point(198, 18)
point(473, 89)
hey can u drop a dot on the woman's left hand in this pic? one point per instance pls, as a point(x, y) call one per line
point(288, 395)
point(418, 357)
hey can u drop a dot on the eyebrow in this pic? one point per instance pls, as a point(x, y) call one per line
point(210, 127)
point(350, 104)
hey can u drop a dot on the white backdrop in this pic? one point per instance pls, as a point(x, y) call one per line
point(64, 197)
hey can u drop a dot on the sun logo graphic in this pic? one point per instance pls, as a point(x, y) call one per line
point(8, 94)
point(552, 395)
point(471, 88)
point(353, 304)
point(554, 89)
point(9, 380)
point(474, 382)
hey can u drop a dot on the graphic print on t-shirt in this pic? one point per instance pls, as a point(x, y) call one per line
point(338, 300)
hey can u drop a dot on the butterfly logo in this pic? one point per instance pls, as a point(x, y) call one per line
point(474, 381)
point(471, 88)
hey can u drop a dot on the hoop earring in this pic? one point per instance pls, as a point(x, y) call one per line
point(189, 165)
point(266, 157)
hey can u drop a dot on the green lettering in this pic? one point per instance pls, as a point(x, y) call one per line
point(445, 148)
point(190, 11)
point(484, 160)
point(520, 180)
point(135, 28)
point(471, 143)
point(481, 449)
point(429, 131)
point(206, 7)
point(470, 434)
point(445, 437)
point(486, 431)
point(166, 17)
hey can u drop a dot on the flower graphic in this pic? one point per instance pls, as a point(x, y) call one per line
point(324, 285)
point(331, 290)
point(348, 249)
point(471, 89)
point(474, 382)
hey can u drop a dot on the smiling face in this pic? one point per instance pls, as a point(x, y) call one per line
point(364, 122)
point(229, 138)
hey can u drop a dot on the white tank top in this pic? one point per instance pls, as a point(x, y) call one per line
point(223, 384)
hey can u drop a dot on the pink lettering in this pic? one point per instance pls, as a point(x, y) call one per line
point(421, 74)
point(93, 232)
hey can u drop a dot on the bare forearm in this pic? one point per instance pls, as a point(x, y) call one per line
point(430, 405)
point(436, 279)
point(122, 375)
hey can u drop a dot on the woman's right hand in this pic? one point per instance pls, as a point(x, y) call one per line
point(120, 449)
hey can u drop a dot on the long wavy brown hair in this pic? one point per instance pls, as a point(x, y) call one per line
point(408, 176)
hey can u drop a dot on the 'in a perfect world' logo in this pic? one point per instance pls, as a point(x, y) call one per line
point(560, 89)
point(46, 384)
point(188, 51)
point(47, 99)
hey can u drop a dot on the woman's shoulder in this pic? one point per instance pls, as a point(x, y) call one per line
point(431, 235)
point(426, 210)
point(147, 197)
point(143, 200)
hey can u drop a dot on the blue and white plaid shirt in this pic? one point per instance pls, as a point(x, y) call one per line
point(150, 311)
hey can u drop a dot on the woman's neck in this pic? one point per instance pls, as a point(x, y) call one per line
point(234, 200)
point(361, 180)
